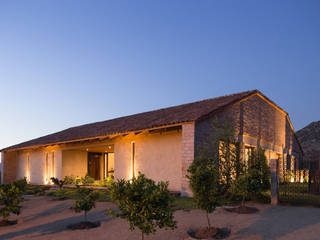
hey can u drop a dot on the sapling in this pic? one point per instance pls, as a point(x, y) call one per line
point(143, 203)
point(87, 198)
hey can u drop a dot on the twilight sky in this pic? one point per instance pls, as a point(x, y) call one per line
point(66, 63)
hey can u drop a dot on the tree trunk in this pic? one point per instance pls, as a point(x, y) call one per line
point(208, 220)
point(85, 216)
point(142, 236)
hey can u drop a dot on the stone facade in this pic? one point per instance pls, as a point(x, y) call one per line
point(188, 138)
point(256, 123)
point(9, 166)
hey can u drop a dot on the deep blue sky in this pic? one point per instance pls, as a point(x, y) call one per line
point(65, 63)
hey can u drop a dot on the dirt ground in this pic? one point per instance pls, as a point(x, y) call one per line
point(43, 218)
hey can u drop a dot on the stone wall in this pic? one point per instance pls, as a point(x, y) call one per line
point(188, 144)
point(256, 123)
point(9, 166)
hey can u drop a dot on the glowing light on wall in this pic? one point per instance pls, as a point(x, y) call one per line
point(46, 169)
point(133, 153)
point(52, 165)
point(28, 168)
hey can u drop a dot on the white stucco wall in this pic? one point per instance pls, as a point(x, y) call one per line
point(37, 165)
point(158, 156)
point(74, 163)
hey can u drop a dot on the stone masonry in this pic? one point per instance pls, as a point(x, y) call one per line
point(187, 156)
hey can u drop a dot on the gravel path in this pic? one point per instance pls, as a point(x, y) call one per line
point(43, 218)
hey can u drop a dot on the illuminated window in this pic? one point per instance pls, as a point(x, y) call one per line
point(133, 153)
point(109, 164)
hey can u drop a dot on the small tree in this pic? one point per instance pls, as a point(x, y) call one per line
point(241, 188)
point(205, 184)
point(10, 198)
point(87, 198)
point(143, 203)
point(58, 182)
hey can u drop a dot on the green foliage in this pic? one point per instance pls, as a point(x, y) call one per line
point(10, 198)
point(143, 203)
point(60, 193)
point(57, 182)
point(241, 187)
point(230, 165)
point(105, 182)
point(87, 198)
point(36, 190)
point(258, 171)
point(68, 180)
point(215, 167)
point(87, 180)
point(21, 184)
point(205, 185)
point(255, 180)
point(78, 180)
point(183, 203)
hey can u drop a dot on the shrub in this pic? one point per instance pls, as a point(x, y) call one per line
point(77, 180)
point(104, 183)
point(87, 180)
point(143, 203)
point(258, 171)
point(68, 180)
point(10, 198)
point(86, 200)
point(21, 184)
point(58, 182)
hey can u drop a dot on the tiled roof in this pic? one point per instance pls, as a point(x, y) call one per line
point(165, 116)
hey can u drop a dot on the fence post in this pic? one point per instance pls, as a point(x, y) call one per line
point(274, 182)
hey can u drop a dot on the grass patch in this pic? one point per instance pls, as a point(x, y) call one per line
point(297, 194)
point(71, 193)
point(183, 203)
point(37, 190)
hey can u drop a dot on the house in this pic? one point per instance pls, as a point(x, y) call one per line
point(160, 143)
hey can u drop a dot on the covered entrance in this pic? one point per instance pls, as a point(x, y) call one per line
point(101, 163)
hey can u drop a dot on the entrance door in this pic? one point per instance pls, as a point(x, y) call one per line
point(94, 165)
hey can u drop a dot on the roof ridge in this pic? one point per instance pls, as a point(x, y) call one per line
point(191, 111)
point(163, 108)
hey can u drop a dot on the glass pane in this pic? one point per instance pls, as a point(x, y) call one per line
point(110, 164)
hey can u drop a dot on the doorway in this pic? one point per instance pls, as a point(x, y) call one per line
point(94, 160)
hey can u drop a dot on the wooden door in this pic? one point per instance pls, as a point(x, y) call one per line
point(94, 165)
